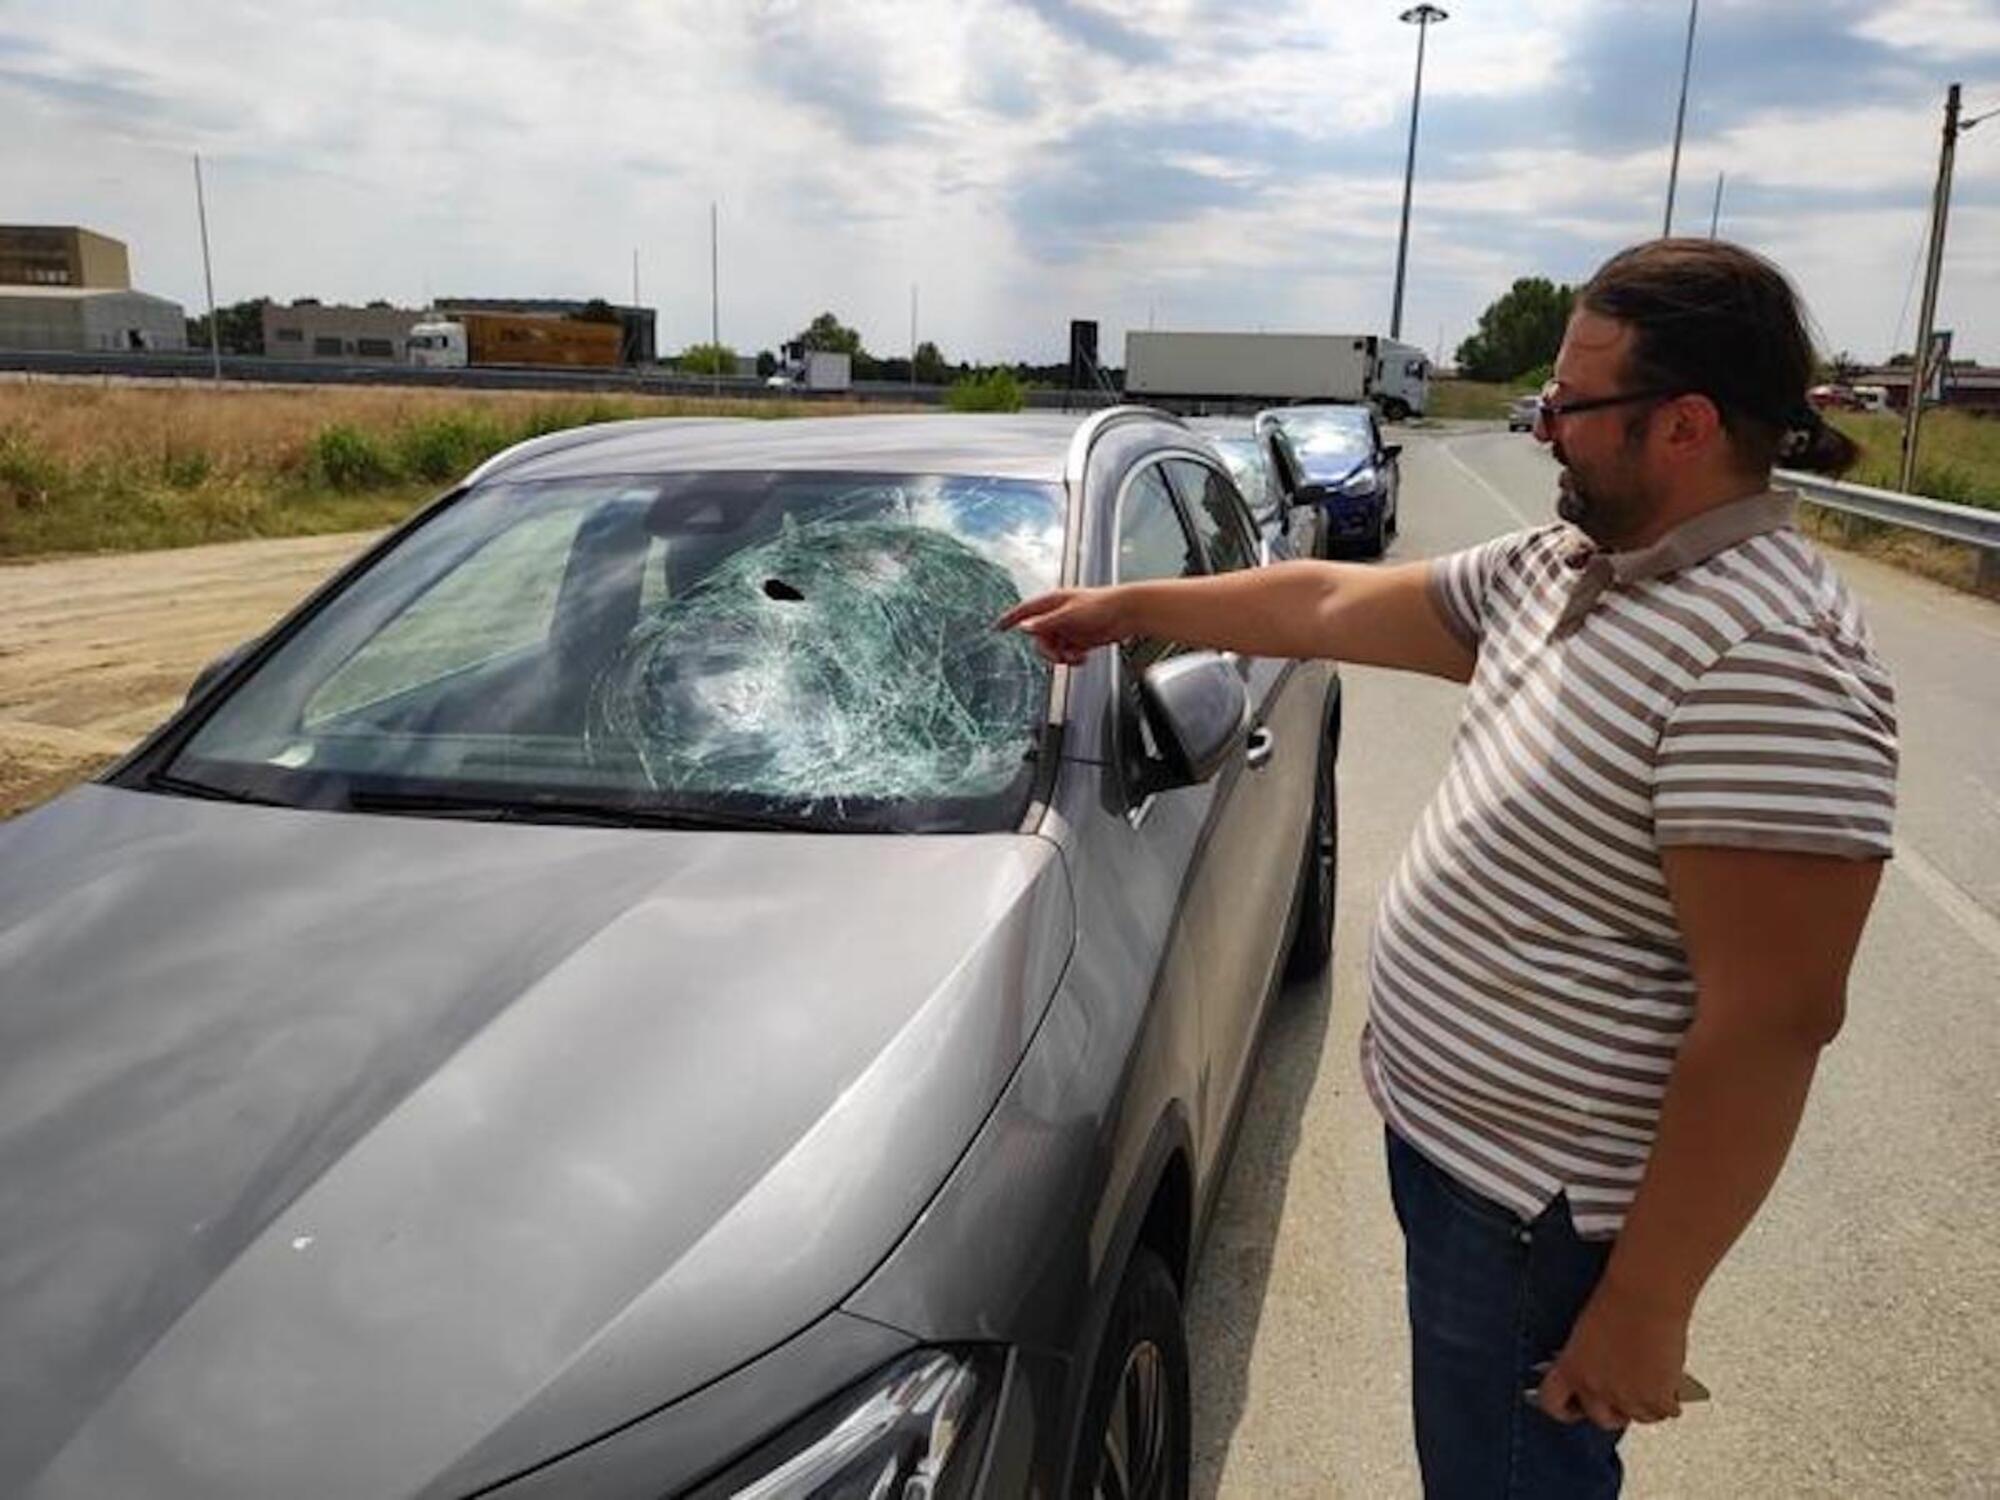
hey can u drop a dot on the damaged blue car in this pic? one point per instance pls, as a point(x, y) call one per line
point(1335, 461)
point(635, 988)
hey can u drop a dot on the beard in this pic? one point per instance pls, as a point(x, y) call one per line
point(1607, 508)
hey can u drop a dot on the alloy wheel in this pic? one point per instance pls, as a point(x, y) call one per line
point(1133, 1457)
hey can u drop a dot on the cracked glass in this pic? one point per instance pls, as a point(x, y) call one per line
point(809, 643)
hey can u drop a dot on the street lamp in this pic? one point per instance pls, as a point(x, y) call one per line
point(1420, 16)
point(1680, 119)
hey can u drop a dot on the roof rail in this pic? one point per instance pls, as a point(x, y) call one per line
point(1097, 422)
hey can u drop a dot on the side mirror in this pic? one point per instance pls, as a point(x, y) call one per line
point(1199, 712)
point(1392, 450)
point(215, 669)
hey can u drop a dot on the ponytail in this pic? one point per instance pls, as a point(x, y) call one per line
point(1815, 445)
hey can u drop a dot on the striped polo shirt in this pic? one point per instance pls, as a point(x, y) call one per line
point(1529, 985)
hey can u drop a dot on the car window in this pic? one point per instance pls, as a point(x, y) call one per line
point(1217, 513)
point(802, 645)
point(1153, 542)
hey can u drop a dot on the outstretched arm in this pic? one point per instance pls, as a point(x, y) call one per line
point(1374, 616)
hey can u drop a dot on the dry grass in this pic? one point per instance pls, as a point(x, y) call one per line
point(96, 468)
point(1484, 400)
point(1958, 454)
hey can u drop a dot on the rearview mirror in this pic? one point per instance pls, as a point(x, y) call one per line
point(1392, 450)
point(215, 669)
point(1199, 712)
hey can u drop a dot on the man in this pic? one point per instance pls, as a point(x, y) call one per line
point(1604, 971)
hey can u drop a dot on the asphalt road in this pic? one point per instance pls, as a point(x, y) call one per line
point(1853, 1339)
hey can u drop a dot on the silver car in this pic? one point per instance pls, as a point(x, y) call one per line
point(635, 988)
point(1292, 530)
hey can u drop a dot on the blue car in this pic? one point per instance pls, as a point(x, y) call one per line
point(1340, 465)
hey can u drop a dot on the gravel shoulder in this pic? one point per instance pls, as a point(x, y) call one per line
point(97, 651)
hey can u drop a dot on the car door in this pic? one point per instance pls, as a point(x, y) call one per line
point(1250, 860)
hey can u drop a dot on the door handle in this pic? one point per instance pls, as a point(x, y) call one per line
point(1259, 748)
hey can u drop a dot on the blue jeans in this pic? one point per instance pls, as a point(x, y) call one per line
point(1491, 1298)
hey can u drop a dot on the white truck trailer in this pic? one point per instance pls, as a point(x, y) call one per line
point(1270, 369)
point(812, 370)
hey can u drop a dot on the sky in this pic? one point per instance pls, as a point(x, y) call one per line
point(1181, 164)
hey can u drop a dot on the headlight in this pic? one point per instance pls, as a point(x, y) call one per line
point(913, 1431)
point(1360, 482)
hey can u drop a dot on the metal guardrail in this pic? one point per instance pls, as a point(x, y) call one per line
point(1958, 523)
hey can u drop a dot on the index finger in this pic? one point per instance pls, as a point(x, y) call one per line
point(1027, 609)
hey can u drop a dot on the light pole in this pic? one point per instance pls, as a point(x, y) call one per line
point(1420, 16)
point(208, 275)
point(1680, 119)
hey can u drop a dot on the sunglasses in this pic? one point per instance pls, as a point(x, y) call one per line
point(1548, 407)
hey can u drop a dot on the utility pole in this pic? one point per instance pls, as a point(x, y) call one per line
point(1420, 16)
point(913, 336)
point(208, 275)
point(1680, 119)
point(1715, 213)
point(1920, 365)
point(634, 351)
point(714, 306)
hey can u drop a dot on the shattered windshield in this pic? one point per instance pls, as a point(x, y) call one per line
point(813, 644)
point(1329, 437)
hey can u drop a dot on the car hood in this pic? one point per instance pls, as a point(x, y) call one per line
point(1324, 469)
point(353, 1155)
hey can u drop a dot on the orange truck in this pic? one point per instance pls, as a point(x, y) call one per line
point(495, 338)
point(522, 339)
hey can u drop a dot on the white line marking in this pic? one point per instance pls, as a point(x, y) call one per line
point(1508, 505)
point(1974, 920)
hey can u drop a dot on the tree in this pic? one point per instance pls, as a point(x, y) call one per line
point(1521, 330)
point(241, 323)
point(596, 310)
point(709, 359)
point(991, 390)
point(829, 335)
point(931, 368)
point(767, 364)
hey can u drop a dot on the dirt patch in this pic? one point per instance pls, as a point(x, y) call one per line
point(96, 651)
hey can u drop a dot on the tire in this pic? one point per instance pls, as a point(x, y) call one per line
point(1312, 939)
point(1396, 409)
point(1137, 1437)
point(1378, 540)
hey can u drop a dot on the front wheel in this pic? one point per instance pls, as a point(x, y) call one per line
point(1137, 1427)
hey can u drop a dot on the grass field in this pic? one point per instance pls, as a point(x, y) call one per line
point(1958, 454)
point(1478, 400)
point(87, 468)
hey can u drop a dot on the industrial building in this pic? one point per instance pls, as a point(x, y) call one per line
point(69, 290)
point(62, 255)
point(636, 342)
point(88, 320)
point(313, 330)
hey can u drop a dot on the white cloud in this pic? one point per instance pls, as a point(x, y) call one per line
point(526, 147)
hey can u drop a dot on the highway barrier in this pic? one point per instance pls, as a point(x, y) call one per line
point(1968, 525)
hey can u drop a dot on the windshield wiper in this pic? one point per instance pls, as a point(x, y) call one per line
point(180, 786)
point(557, 808)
